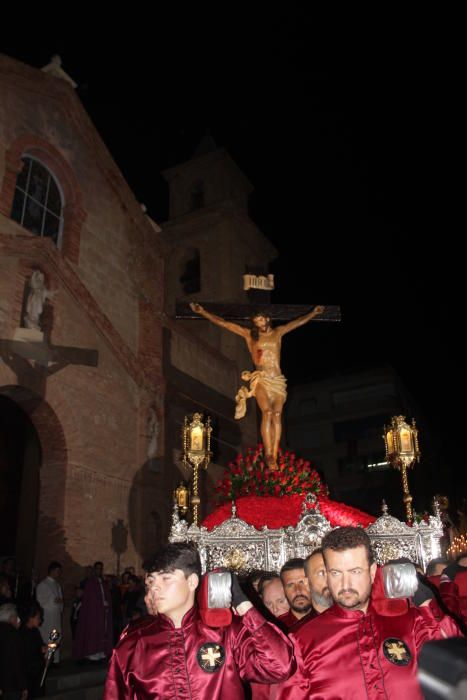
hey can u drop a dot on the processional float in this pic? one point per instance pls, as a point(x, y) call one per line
point(235, 536)
point(240, 545)
point(237, 545)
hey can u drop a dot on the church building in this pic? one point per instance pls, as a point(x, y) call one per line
point(96, 373)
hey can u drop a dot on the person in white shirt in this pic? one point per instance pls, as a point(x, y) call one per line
point(49, 595)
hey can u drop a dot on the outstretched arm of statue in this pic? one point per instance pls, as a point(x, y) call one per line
point(218, 321)
point(301, 320)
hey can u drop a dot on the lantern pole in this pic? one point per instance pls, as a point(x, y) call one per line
point(196, 453)
point(402, 451)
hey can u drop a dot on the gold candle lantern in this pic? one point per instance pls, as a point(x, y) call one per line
point(196, 452)
point(402, 451)
point(182, 498)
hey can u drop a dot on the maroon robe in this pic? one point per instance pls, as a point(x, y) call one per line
point(454, 594)
point(350, 655)
point(94, 632)
point(157, 661)
point(291, 621)
point(269, 692)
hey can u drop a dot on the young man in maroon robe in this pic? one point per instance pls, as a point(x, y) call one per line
point(356, 650)
point(93, 639)
point(175, 654)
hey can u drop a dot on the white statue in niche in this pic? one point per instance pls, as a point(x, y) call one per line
point(38, 295)
point(153, 433)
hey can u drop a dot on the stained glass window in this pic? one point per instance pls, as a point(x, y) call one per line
point(38, 203)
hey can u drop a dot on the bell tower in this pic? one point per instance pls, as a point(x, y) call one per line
point(211, 242)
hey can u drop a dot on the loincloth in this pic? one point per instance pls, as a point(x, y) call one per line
point(274, 386)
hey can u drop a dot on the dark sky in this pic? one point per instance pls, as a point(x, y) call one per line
point(349, 133)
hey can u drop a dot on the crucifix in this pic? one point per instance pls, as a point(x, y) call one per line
point(30, 348)
point(34, 362)
point(266, 383)
point(51, 357)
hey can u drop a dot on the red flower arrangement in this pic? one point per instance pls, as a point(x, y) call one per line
point(249, 475)
point(275, 498)
point(281, 512)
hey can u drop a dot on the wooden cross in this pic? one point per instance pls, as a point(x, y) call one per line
point(244, 312)
point(267, 383)
point(52, 357)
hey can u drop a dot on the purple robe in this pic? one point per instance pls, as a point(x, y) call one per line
point(94, 630)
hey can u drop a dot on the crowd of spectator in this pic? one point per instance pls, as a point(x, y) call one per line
point(101, 608)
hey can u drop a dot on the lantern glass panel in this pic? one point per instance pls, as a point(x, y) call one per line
point(196, 439)
point(406, 440)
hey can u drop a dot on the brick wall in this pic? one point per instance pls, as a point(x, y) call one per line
point(91, 421)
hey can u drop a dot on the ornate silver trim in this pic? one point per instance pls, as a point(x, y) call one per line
point(241, 546)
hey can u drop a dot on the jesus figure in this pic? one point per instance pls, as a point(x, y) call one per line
point(267, 383)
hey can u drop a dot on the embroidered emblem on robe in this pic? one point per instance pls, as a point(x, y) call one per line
point(210, 657)
point(397, 652)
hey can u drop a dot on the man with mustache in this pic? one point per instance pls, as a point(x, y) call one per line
point(297, 592)
point(353, 651)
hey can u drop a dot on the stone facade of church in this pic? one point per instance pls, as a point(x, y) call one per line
point(92, 407)
point(91, 400)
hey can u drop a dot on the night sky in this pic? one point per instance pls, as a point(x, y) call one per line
point(349, 136)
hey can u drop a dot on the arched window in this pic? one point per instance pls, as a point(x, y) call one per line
point(190, 279)
point(13, 188)
point(38, 201)
point(197, 195)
